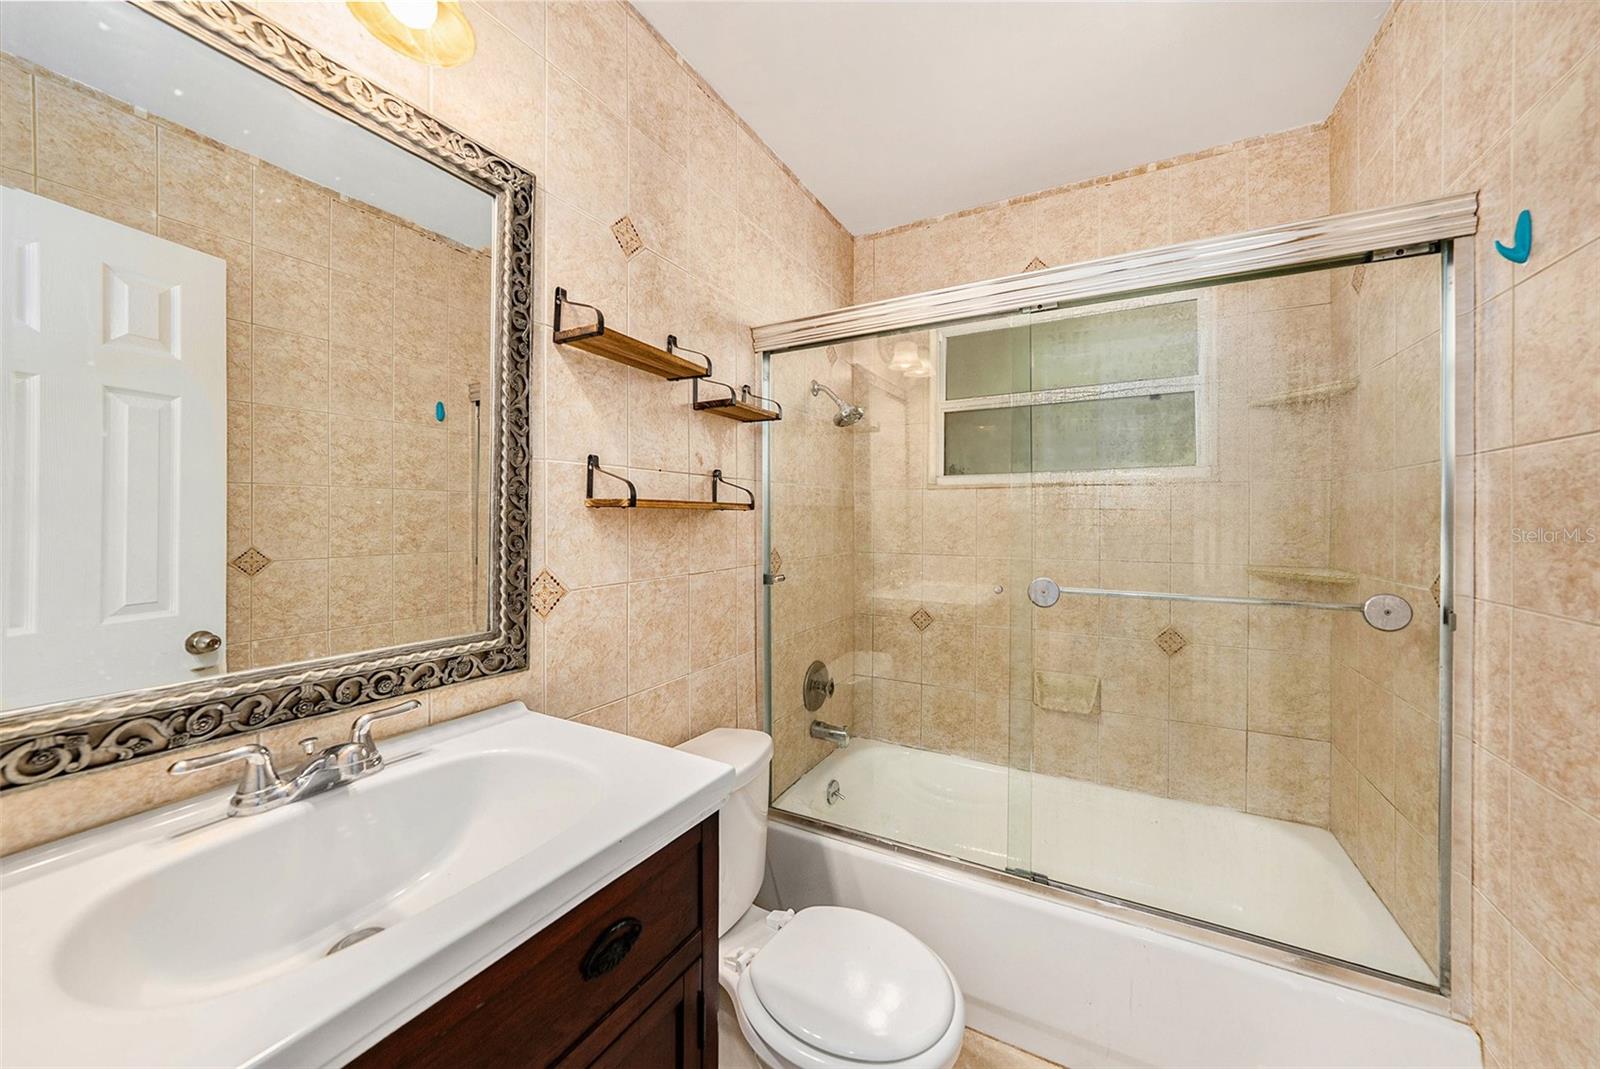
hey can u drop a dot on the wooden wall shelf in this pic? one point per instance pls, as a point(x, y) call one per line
point(634, 501)
point(669, 363)
point(666, 503)
point(613, 345)
point(741, 404)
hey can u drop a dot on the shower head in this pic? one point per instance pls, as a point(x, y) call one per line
point(848, 413)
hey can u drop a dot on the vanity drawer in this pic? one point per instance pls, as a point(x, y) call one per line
point(606, 947)
point(531, 1007)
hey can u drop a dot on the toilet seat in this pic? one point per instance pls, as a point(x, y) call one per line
point(842, 987)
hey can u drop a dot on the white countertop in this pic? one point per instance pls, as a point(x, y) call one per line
point(117, 946)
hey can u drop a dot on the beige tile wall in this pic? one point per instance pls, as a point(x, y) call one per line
point(1257, 182)
point(345, 326)
point(656, 635)
point(1240, 715)
point(1505, 98)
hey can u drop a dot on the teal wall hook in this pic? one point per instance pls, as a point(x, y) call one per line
point(1522, 243)
point(438, 411)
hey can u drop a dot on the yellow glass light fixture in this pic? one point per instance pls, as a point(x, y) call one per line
point(435, 32)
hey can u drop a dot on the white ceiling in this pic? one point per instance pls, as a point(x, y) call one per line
point(894, 112)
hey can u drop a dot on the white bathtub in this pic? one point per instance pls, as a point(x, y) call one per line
point(1082, 988)
point(1289, 882)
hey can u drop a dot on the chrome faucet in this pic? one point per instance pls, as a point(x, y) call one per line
point(821, 729)
point(263, 788)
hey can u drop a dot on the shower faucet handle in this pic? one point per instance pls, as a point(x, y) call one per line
point(818, 686)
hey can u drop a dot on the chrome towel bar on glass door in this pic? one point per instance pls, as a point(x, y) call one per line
point(1386, 612)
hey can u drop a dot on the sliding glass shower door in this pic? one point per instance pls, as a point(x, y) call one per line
point(1141, 598)
point(1219, 730)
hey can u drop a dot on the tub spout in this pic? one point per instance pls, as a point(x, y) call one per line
point(821, 729)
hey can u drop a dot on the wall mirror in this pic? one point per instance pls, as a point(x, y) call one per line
point(263, 388)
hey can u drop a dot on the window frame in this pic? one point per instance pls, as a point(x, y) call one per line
point(1202, 383)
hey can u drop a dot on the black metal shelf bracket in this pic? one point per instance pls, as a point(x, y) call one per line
point(765, 402)
point(674, 348)
point(717, 480)
point(575, 333)
point(594, 466)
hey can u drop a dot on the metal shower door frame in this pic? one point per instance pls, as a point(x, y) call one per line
point(1445, 227)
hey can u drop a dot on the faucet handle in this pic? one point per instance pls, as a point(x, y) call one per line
point(259, 775)
point(361, 732)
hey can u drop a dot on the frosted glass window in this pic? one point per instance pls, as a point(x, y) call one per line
point(988, 363)
point(1101, 434)
point(1158, 341)
point(988, 441)
point(1112, 389)
point(1115, 432)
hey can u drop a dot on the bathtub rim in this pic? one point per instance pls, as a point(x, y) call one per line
point(1432, 998)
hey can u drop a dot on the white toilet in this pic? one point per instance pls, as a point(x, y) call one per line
point(824, 986)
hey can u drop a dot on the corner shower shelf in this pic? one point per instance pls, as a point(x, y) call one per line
point(614, 345)
point(634, 501)
point(1320, 576)
point(1306, 395)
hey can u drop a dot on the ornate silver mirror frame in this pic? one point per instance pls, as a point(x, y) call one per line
point(45, 743)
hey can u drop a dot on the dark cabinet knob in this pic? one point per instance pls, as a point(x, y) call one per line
point(611, 947)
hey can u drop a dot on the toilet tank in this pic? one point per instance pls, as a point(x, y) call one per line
point(742, 827)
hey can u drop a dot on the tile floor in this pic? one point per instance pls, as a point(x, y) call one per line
point(979, 1051)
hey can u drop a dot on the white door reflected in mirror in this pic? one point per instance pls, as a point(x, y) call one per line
point(113, 398)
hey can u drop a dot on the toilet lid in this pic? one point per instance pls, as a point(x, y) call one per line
point(853, 985)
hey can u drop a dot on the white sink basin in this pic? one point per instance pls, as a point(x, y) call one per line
point(177, 938)
point(310, 874)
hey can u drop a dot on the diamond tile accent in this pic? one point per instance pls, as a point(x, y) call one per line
point(1358, 277)
point(547, 591)
point(627, 236)
point(775, 563)
point(922, 618)
point(1434, 590)
point(251, 561)
point(1171, 641)
point(1035, 264)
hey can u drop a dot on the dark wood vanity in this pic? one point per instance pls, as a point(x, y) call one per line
point(628, 978)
